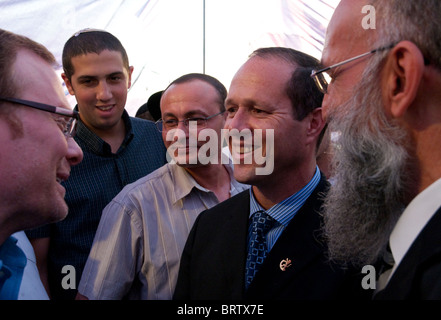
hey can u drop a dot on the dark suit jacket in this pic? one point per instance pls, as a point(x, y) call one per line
point(418, 275)
point(213, 261)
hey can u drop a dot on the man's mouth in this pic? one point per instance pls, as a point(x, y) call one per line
point(61, 177)
point(105, 108)
point(244, 149)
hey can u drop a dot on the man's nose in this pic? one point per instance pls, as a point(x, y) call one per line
point(74, 153)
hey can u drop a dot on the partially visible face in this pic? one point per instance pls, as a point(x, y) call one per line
point(257, 102)
point(372, 178)
point(371, 162)
point(345, 39)
point(193, 99)
point(35, 161)
point(100, 83)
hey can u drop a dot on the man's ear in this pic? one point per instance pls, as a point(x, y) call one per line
point(402, 76)
point(68, 84)
point(316, 123)
point(131, 68)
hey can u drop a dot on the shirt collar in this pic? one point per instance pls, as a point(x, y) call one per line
point(184, 183)
point(285, 210)
point(98, 145)
point(412, 221)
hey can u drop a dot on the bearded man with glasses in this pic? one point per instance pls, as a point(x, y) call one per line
point(386, 105)
point(37, 153)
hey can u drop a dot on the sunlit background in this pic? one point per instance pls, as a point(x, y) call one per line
point(168, 38)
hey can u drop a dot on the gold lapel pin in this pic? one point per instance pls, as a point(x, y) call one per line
point(284, 264)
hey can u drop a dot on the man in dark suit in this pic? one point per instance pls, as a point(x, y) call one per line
point(273, 98)
point(387, 106)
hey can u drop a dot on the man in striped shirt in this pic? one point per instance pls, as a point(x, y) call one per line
point(142, 232)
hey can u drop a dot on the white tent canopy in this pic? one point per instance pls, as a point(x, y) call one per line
point(168, 38)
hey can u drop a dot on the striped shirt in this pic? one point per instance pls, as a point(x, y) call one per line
point(138, 245)
point(284, 211)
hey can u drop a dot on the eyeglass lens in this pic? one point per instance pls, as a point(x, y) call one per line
point(322, 80)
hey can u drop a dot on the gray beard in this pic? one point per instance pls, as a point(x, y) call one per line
point(371, 178)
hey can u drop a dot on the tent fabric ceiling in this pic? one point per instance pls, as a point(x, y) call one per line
point(167, 38)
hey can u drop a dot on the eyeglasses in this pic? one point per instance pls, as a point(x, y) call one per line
point(165, 125)
point(322, 78)
point(68, 127)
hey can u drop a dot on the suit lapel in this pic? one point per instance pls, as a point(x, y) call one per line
point(426, 246)
point(235, 249)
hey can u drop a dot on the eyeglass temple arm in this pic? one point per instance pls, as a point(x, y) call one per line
point(57, 110)
point(214, 115)
point(343, 62)
point(45, 107)
point(66, 112)
point(314, 73)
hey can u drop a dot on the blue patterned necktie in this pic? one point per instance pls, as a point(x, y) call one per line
point(260, 224)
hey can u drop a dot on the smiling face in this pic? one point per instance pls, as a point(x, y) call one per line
point(100, 83)
point(192, 99)
point(257, 102)
point(35, 156)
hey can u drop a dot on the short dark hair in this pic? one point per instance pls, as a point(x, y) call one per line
point(151, 109)
point(216, 84)
point(301, 89)
point(90, 41)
